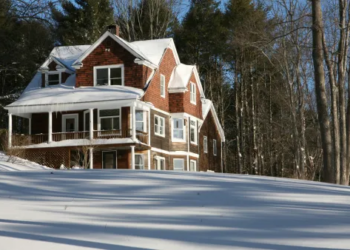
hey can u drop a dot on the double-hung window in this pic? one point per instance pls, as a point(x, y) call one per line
point(139, 161)
point(140, 121)
point(159, 163)
point(193, 165)
point(193, 93)
point(159, 126)
point(178, 129)
point(109, 75)
point(162, 86)
point(215, 150)
point(110, 119)
point(205, 144)
point(53, 78)
point(179, 164)
point(193, 131)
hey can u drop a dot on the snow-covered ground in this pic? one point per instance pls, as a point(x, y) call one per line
point(18, 164)
point(138, 210)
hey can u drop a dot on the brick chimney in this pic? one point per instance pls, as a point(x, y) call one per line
point(114, 29)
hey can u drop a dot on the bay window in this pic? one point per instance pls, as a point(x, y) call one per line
point(193, 132)
point(140, 120)
point(139, 161)
point(159, 126)
point(109, 75)
point(110, 119)
point(193, 166)
point(178, 129)
point(178, 164)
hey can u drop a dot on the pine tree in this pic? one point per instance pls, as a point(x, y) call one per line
point(81, 21)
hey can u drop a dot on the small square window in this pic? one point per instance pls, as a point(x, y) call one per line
point(53, 79)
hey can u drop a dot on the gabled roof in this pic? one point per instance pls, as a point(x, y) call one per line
point(149, 51)
point(181, 77)
point(65, 56)
point(207, 106)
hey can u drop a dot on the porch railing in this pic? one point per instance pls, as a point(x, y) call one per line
point(25, 140)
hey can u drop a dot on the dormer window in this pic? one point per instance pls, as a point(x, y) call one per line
point(53, 78)
point(109, 75)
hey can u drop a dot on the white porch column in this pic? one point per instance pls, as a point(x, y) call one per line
point(133, 125)
point(91, 124)
point(149, 127)
point(91, 151)
point(149, 159)
point(10, 131)
point(50, 127)
point(132, 157)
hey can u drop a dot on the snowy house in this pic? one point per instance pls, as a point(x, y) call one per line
point(127, 105)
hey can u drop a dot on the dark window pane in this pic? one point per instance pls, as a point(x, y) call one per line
point(109, 112)
point(116, 73)
point(116, 81)
point(116, 123)
point(102, 76)
point(106, 124)
point(87, 121)
point(53, 79)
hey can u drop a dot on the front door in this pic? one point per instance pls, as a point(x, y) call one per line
point(109, 160)
point(70, 125)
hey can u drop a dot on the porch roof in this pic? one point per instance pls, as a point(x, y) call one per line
point(62, 97)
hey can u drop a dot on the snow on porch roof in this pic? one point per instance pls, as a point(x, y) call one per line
point(58, 98)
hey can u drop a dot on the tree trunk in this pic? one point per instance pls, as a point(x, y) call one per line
point(321, 98)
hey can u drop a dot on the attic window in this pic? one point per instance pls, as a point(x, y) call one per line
point(109, 75)
point(53, 78)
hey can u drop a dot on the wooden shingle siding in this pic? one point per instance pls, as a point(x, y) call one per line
point(152, 94)
point(110, 52)
point(207, 160)
point(156, 140)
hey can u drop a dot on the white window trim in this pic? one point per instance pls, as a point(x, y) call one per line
point(195, 165)
point(143, 160)
point(158, 159)
point(205, 144)
point(178, 159)
point(193, 86)
point(99, 120)
point(144, 120)
point(215, 145)
point(160, 118)
point(162, 77)
point(109, 67)
point(195, 132)
point(172, 130)
point(76, 122)
point(53, 73)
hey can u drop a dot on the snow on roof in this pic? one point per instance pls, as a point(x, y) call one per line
point(152, 50)
point(180, 76)
point(207, 105)
point(67, 55)
point(63, 94)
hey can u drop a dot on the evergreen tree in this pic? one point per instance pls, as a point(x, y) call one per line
point(81, 21)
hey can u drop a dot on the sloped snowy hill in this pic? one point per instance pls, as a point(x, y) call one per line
point(134, 210)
